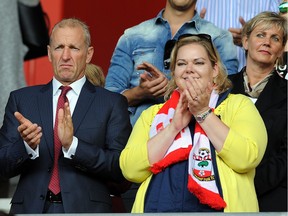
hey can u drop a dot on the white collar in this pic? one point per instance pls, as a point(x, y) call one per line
point(76, 86)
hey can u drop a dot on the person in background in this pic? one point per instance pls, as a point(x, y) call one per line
point(95, 75)
point(281, 65)
point(11, 61)
point(91, 129)
point(264, 38)
point(232, 15)
point(198, 151)
point(139, 66)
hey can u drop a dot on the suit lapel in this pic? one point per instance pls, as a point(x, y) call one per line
point(46, 110)
point(45, 105)
point(238, 83)
point(83, 104)
point(272, 94)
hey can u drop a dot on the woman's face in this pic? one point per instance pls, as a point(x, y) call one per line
point(264, 45)
point(193, 62)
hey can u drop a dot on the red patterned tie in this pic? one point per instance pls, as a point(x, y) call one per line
point(54, 184)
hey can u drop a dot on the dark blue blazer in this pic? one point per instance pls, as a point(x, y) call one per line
point(271, 174)
point(102, 126)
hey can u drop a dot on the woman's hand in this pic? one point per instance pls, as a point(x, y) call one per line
point(198, 95)
point(182, 115)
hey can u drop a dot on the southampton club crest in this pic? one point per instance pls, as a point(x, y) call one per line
point(203, 165)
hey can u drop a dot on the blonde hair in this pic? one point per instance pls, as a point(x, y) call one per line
point(222, 83)
point(95, 74)
point(266, 19)
point(73, 22)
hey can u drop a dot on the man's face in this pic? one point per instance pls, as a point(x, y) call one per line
point(69, 54)
point(182, 5)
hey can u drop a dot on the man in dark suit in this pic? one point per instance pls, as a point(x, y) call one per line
point(93, 128)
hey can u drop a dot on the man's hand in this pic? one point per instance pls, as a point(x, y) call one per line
point(65, 126)
point(153, 84)
point(237, 33)
point(202, 13)
point(30, 133)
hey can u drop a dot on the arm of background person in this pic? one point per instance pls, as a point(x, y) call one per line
point(237, 33)
point(227, 50)
point(121, 68)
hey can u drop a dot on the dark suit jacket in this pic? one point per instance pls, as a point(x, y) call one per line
point(102, 126)
point(271, 174)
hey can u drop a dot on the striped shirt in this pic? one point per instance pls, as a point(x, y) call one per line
point(226, 13)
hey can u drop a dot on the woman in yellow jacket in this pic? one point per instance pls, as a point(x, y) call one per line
point(198, 151)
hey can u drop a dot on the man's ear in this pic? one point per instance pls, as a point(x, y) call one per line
point(49, 52)
point(89, 54)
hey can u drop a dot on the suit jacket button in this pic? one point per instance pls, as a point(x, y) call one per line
point(42, 197)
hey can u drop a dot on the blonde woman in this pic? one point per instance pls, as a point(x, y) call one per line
point(198, 151)
point(264, 38)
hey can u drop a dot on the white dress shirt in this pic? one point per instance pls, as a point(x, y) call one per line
point(72, 97)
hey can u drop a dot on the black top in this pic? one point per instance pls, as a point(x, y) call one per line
point(271, 174)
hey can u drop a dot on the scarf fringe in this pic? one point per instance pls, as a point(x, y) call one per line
point(205, 196)
point(172, 158)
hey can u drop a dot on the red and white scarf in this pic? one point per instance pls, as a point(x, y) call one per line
point(201, 177)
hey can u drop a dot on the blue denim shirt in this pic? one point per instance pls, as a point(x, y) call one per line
point(146, 42)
